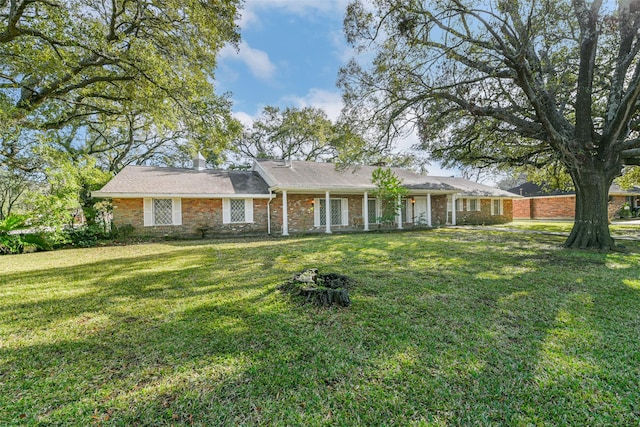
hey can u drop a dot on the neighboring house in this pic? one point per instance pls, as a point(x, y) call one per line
point(536, 203)
point(282, 198)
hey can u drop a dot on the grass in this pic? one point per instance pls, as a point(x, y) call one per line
point(446, 327)
point(617, 230)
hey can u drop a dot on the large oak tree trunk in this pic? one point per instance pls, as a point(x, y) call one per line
point(591, 227)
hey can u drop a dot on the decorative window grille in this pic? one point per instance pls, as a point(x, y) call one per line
point(162, 211)
point(373, 212)
point(336, 212)
point(237, 212)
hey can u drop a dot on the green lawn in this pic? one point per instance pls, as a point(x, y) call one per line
point(447, 327)
point(620, 228)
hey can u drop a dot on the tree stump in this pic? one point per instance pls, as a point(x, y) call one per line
point(319, 289)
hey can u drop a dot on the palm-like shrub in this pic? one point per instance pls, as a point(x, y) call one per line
point(12, 242)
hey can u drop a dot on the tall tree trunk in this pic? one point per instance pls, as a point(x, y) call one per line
point(591, 227)
point(88, 204)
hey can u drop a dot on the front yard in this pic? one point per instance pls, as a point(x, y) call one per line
point(446, 327)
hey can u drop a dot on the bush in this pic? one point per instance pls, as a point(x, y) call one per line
point(11, 242)
point(625, 211)
point(123, 231)
point(83, 237)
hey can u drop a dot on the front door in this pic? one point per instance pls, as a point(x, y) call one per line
point(420, 210)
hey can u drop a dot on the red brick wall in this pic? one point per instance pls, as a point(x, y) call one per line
point(522, 208)
point(196, 213)
point(301, 212)
point(557, 207)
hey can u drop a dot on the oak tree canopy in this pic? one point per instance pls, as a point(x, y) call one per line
point(506, 82)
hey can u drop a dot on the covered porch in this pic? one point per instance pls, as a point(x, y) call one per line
point(301, 212)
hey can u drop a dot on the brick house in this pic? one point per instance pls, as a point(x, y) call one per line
point(538, 204)
point(278, 197)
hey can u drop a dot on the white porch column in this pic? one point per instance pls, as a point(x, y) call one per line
point(453, 209)
point(285, 214)
point(365, 214)
point(429, 209)
point(399, 213)
point(327, 213)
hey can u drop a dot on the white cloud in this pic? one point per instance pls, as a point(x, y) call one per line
point(330, 102)
point(257, 60)
point(245, 118)
point(297, 7)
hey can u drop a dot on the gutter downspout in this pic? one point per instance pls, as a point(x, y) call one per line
point(269, 213)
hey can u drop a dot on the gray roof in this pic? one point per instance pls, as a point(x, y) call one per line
point(475, 189)
point(530, 189)
point(151, 181)
point(176, 182)
point(299, 175)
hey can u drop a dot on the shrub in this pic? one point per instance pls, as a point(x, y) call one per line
point(12, 242)
point(84, 236)
point(123, 231)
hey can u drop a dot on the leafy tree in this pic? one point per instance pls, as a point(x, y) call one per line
point(293, 134)
point(87, 65)
point(630, 177)
point(507, 83)
point(390, 191)
point(14, 183)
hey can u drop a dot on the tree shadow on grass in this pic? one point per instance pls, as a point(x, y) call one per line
point(504, 334)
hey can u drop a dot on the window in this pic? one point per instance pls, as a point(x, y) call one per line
point(496, 207)
point(373, 211)
point(459, 205)
point(339, 212)
point(236, 207)
point(162, 211)
point(237, 211)
point(473, 205)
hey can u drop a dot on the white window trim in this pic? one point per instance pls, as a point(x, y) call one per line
point(226, 212)
point(460, 204)
point(477, 209)
point(344, 211)
point(176, 211)
point(493, 210)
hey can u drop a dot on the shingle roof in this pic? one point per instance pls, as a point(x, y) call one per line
point(530, 189)
point(163, 181)
point(474, 189)
point(324, 176)
point(150, 181)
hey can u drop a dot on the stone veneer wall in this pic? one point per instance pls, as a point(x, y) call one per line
point(196, 214)
point(615, 204)
point(438, 210)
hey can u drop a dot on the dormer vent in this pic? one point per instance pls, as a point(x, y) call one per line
point(199, 162)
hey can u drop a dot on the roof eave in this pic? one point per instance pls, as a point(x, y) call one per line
point(120, 195)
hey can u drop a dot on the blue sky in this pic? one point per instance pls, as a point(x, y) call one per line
point(290, 54)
